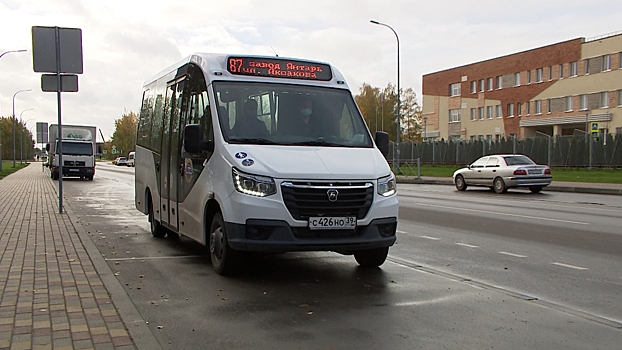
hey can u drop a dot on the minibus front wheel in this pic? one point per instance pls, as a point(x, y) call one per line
point(156, 228)
point(224, 259)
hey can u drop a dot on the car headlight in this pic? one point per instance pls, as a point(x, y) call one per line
point(254, 185)
point(387, 186)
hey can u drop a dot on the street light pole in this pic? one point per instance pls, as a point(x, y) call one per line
point(1, 55)
point(425, 128)
point(14, 122)
point(399, 102)
point(21, 134)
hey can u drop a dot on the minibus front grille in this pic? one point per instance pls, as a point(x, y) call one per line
point(74, 163)
point(306, 199)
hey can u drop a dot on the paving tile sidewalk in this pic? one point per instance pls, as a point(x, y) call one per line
point(57, 292)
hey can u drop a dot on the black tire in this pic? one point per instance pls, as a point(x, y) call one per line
point(90, 178)
point(224, 259)
point(499, 185)
point(157, 230)
point(535, 189)
point(460, 183)
point(54, 175)
point(371, 257)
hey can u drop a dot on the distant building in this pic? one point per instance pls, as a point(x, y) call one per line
point(555, 90)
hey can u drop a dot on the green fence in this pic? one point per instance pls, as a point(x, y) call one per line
point(578, 150)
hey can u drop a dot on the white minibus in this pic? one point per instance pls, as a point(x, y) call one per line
point(262, 154)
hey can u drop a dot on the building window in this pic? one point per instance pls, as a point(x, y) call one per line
point(548, 105)
point(527, 107)
point(587, 66)
point(550, 72)
point(561, 71)
point(516, 79)
point(473, 86)
point(606, 62)
point(454, 89)
point(498, 113)
point(481, 85)
point(538, 107)
point(489, 84)
point(619, 98)
point(473, 138)
point(518, 109)
point(539, 75)
point(604, 99)
point(510, 110)
point(620, 60)
point(568, 103)
point(454, 115)
point(480, 112)
point(528, 77)
point(499, 82)
point(583, 102)
point(473, 112)
point(573, 69)
point(489, 108)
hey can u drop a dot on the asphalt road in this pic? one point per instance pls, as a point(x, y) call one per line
point(470, 270)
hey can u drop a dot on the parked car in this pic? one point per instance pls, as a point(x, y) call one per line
point(121, 161)
point(503, 171)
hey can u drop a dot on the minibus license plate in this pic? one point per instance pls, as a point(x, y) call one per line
point(332, 223)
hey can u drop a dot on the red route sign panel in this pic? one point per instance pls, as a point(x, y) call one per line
point(279, 68)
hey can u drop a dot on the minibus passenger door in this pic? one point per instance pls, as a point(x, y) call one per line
point(169, 171)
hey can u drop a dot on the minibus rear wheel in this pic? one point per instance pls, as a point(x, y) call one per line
point(156, 228)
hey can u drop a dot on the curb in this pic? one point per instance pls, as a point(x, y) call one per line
point(141, 334)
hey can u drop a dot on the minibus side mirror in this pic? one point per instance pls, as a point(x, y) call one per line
point(382, 142)
point(47, 147)
point(193, 142)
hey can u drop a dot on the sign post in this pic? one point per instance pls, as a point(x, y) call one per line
point(58, 50)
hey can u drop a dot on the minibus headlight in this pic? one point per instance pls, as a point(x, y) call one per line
point(387, 186)
point(253, 185)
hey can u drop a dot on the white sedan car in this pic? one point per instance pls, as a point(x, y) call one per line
point(502, 171)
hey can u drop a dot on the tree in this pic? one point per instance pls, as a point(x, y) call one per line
point(411, 116)
point(23, 138)
point(124, 136)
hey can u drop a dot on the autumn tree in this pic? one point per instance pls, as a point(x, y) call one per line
point(124, 136)
point(411, 116)
point(23, 139)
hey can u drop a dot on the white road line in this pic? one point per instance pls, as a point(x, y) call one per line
point(570, 266)
point(467, 245)
point(157, 258)
point(512, 254)
point(506, 214)
point(432, 238)
point(398, 231)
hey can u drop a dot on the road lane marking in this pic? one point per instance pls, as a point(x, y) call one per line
point(514, 255)
point(398, 231)
point(467, 245)
point(432, 238)
point(157, 257)
point(506, 214)
point(570, 266)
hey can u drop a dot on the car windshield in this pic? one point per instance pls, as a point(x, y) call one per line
point(518, 160)
point(283, 114)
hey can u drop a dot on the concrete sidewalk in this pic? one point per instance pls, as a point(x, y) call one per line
point(57, 292)
point(558, 186)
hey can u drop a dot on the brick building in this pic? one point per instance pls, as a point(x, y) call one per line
point(554, 90)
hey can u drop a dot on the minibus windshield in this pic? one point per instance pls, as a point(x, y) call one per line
point(284, 114)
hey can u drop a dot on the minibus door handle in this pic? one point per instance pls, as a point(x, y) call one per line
point(157, 166)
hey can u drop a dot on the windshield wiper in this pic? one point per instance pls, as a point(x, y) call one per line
point(259, 141)
point(318, 142)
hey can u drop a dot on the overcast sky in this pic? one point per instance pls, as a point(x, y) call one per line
point(127, 41)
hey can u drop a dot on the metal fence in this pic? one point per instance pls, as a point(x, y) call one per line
point(579, 150)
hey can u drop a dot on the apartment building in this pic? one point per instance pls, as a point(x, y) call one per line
point(557, 89)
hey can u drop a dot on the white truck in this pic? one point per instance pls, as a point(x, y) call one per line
point(78, 151)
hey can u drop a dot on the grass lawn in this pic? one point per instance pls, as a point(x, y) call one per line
point(7, 167)
point(559, 174)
